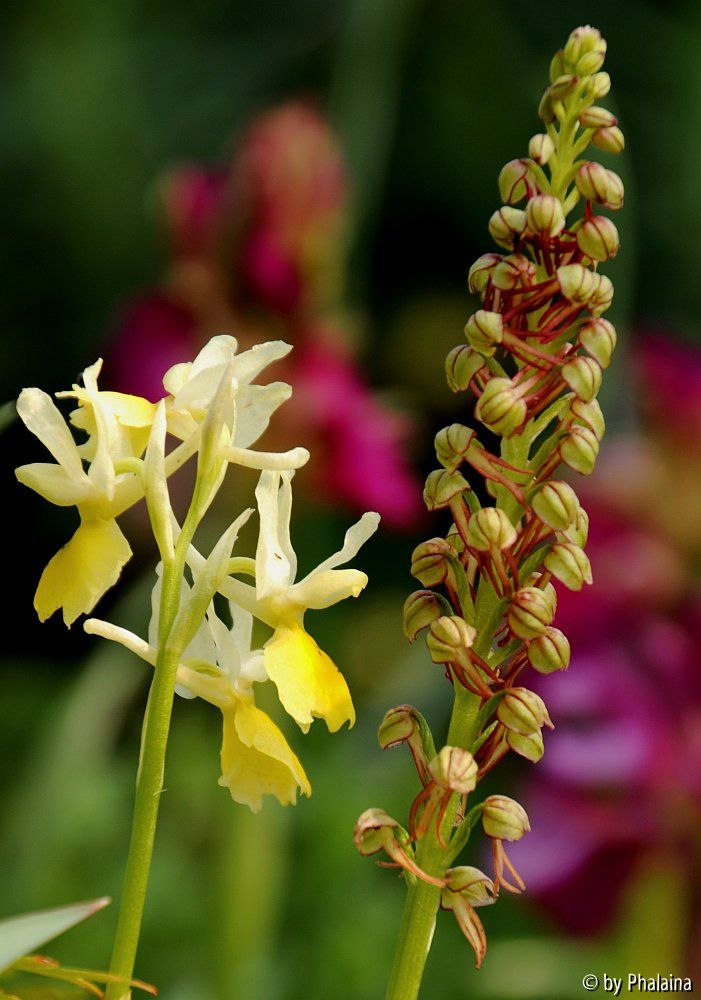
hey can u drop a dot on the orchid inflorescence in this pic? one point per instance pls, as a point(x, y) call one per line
point(533, 359)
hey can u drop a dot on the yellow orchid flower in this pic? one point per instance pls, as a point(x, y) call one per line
point(308, 681)
point(256, 759)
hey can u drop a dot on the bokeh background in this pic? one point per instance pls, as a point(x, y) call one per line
point(111, 247)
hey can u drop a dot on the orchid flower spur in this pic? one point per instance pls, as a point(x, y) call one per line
point(216, 412)
point(533, 357)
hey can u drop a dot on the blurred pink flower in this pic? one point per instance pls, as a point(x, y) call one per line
point(258, 249)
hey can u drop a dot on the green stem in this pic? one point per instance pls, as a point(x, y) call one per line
point(149, 780)
point(423, 900)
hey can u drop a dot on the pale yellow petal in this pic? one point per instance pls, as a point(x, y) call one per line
point(54, 484)
point(257, 760)
point(81, 572)
point(308, 681)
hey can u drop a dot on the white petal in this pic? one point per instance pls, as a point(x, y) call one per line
point(43, 418)
point(53, 483)
point(274, 570)
point(251, 363)
point(94, 626)
point(255, 405)
point(205, 374)
point(295, 458)
point(356, 536)
point(321, 590)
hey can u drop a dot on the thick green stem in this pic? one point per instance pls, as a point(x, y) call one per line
point(423, 900)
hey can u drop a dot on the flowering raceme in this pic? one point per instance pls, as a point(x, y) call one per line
point(213, 409)
point(259, 245)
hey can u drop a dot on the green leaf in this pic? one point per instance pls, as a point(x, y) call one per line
point(23, 934)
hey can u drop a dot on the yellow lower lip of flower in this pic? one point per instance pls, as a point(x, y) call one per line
point(257, 760)
point(83, 570)
point(308, 681)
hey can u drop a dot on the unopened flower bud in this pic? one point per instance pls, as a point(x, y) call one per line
point(577, 283)
point(484, 330)
point(515, 181)
point(597, 237)
point(490, 530)
point(506, 226)
point(461, 366)
point(374, 830)
point(430, 561)
point(580, 449)
point(579, 531)
point(500, 407)
point(556, 504)
point(452, 444)
point(513, 271)
point(598, 338)
point(481, 272)
point(529, 746)
point(442, 487)
point(593, 182)
point(455, 770)
point(477, 888)
point(544, 214)
point(597, 117)
point(420, 609)
point(455, 541)
point(530, 612)
point(610, 140)
point(504, 819)
point(615, 191)
point(583, 376)
point(599, 85)
point(557, 65)
point(589, 415)
point(541, 148)
point(602, 296)
point(397, 727)
point(523, 711)
point(585, 50)
point(569, 564)
point(449, 639)
point(546, 109)
point(550, 651)
point(562, 86)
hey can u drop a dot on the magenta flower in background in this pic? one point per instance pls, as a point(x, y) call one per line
point(258, 248)
point(621, 776)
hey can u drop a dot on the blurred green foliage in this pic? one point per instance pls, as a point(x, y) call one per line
point(429, 99)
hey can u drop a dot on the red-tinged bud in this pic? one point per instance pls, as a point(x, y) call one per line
point(455, 541)
point(504, 819)
point(610, 140)
point(596, 117)
point(468, 922)
point(544, 214)
point(589, 415)
point(523, 711)
point(449, 639)
point(484, 330)
point(577, 283)
point(598, 338)
point(585, 50)
point(597, 237)
point(530, 747)
point(420, 609)
point(592, 182)
point(442, 487)
point(405, 724)
point(513, 271)
point(550, 651)
point(461, 366)
point(602, 297)
point(501, 407)
point(599, 85)
point(452, 444)
point(563, 86)
point(430, 562)
point(579, 531)
point(506, 226)
point(515, 181)
point(472, 884)
point(583, 376)
point(374, 830)
point(490, 530)
point(546, 108)
point(530, 612)
point(481, 272)
point(580, 449)
point(455, 770)
point(541, 148)
point(556, 504)
point(569, 564)
point(615, 192)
